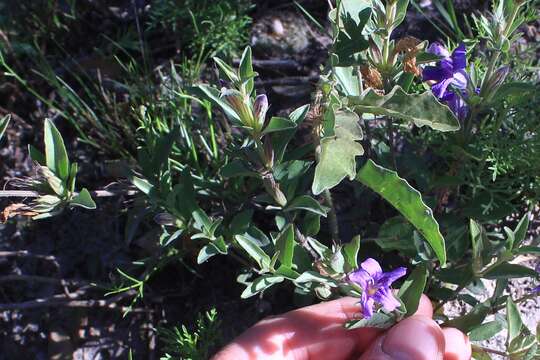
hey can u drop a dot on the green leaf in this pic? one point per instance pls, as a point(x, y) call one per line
point(226, 70)
point(211, 249)
point(478, 238)
point(479, 354)
point(277, 123)
point(486, 331)
point(348, 80)
point(72, 177)
point(142, 184)
point(353, 16)
point(395, 234)
point(315, 277)
point(305, 202)
point(377, 320)
point(534, 250)
point(406, 200)
point(338, 153)
point(260, 284)
point(520, 232)
point(412, 289)
point(421, 109)
point(285, 246)
point(213, 95)
point(513, 318)
point(508, 271)
point(512, 89)
point(36, 155)
point(84, 200)
point(281, 140)
point(311, 224)
point(4, 122)
point(350, 253)
point(401, 12)
point(469, 321)
point(246, 70)
point(255, 251)
point(55, 151)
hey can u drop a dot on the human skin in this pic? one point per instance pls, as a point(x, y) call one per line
point(316, 332)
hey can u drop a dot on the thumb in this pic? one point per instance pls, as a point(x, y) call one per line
point(415, 338)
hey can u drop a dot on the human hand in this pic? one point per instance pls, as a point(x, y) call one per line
point(316, 332)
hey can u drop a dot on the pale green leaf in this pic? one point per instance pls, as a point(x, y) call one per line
point(285, 246)
point(84, 200)
point(421, 109)
point(338, 153)
point(407, 200)
point(55, 151)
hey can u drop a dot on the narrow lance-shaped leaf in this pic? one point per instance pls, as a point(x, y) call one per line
point(285, 246)
point(338, 153)
point(407, 200)
point(4, 122)
point(412, 289)
point(84, 200)
point(421, 109)
point(55, 151)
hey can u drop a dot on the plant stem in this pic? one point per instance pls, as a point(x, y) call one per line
point(488, 350)
point(390, 134)
point(332, 217)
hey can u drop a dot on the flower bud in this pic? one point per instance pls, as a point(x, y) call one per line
point(260, 108)
point(273, 189)
point(268, 153)
point(499, 76)
point(239, 103)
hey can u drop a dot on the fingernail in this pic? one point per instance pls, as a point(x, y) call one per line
point(415, 338)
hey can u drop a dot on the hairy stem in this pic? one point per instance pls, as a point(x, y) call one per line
point(332, 217)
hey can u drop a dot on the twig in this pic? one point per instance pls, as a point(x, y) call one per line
point(35, 194)
point(43, 279)
point(65, 301)
point(25, 253)
point(488, 350)
point(304, 243)
point(277, 64)
point(288, 81)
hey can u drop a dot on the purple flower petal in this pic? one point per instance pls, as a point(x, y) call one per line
point(388, 278)
point(459, 57)
point(385, 297)
point(361, 277)
point(460, 79)
point(367, 306)
point(433, 73)
point(437, 49)
point(439, 89)
point(372, 267)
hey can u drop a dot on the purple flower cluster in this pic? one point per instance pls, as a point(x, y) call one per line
point(450, 77)
point(375, 286)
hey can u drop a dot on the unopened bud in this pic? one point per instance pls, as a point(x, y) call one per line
point(273, 189)
point(164, 219)
point(499, 76)
point(260, 107)
point(268, 153)
point(239, 104)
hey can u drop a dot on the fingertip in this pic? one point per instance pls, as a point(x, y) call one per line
point(425, 307)
point(417, 337)
point(458, 346)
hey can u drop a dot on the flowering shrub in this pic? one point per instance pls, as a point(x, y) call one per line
point(263, 202)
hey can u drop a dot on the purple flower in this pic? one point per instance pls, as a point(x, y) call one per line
point(375, 286)
point(449, 75)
